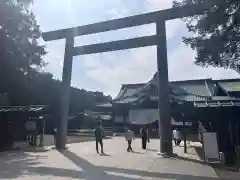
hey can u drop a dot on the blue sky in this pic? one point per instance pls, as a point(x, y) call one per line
point(107, 71)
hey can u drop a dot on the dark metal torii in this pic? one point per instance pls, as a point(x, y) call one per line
point(158, 17)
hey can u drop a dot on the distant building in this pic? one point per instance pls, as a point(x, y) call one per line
point(213, 103)
point(138, 103)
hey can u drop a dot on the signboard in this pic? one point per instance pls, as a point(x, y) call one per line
point(210, 146)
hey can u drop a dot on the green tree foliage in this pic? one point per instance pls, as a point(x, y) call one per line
point(19, 30)
point(21, 62)
point(20, 55)
point(216, 33)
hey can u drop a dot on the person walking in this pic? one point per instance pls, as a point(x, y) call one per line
point(55, 135)
point(177, 137)
point(129, 137)
point(145, 137)
point(99, 134)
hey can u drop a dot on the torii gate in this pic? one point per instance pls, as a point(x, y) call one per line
point(159, 18)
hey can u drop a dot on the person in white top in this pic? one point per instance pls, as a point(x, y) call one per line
point(177, 137)
point(129, 135)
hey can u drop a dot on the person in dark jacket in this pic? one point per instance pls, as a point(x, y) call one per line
point(54, 135)
point(145, 137)
point(99, 134)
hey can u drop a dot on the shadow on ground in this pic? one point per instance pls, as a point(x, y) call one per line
point(153, 150)
point(17, 163)
point(190, 159)
point(71, 138)
point(90, 171)
point(220, 170)
point(49, 140)
point(200, 152)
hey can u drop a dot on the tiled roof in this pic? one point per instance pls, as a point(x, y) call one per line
point(219, 98)
point(189, 90)
point(200, 88)
point(120, 94)
point(128, 90)
point(176, 89)
point(231, 86)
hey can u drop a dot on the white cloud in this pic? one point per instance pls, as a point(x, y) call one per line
point(110, 70)
point(116, 13)
point(156, 5)
point(181, 67)
point(134, 66)
point(54, 58)
point(142, 64)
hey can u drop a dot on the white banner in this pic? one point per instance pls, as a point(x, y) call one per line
point(210, 146)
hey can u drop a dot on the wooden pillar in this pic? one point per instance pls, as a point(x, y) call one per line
point(236, 130)
point(65, 93)
point(184, 134)
point(163, 91)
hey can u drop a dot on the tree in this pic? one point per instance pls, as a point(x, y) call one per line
point(216, 33)
point(20, 55)
point(21, 81)
point(19, 31)
point(21, 62)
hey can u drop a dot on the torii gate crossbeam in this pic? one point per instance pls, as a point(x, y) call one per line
point(158, 17)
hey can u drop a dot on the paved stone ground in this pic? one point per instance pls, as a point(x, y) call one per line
point(48, 139)
point(80, 161)
point(226, 174)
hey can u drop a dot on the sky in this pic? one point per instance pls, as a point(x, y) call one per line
point(106, 72)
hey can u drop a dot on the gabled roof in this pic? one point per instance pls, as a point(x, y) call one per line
point(201, 87)
point(128, 90)
point(127, 93)
point(187, 90)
